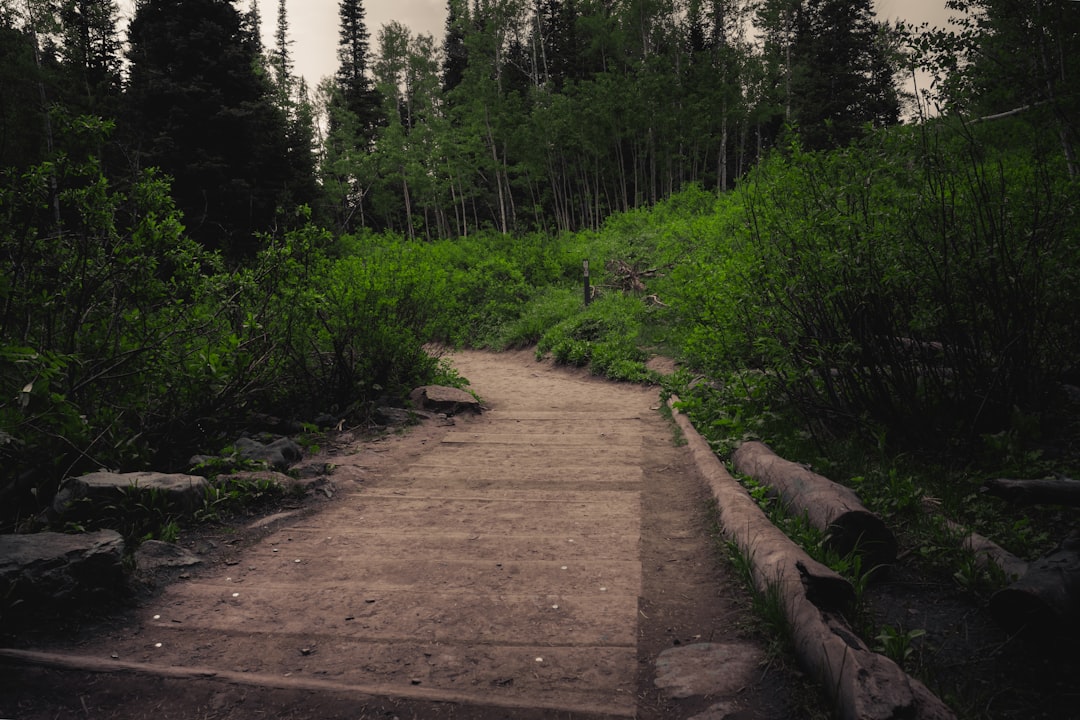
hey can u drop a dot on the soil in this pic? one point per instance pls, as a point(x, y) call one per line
point(549, 558)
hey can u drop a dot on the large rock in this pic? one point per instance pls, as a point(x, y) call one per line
point(155, 555)
point(279, 455)
point(177, 493)
point(310, 483)
point(48, 570)
point(438, 398)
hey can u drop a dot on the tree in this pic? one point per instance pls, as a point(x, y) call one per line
point(22, 116)
point(199, 110)
point(281, 60)
point(91, 52)
point(825, 70)
point(1011, 58)
point(840, 79)
point(455, 54)
point(356, 90)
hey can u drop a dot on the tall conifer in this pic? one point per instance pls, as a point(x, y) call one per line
point(200, 111)
point(354, 83)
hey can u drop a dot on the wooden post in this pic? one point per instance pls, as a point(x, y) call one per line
point(588, 290)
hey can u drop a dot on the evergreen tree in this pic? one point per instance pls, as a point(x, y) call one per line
point(840, 80)
point(200, 111)
point(22, 119)
point(355, 86)
point(91, 53)
point(1012, 58)
point(281, 61)
point(455, 54)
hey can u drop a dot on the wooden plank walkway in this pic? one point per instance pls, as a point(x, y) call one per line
point(499, 567)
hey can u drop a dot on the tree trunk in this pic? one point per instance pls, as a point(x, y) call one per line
point(832, 508)
point(1047, 598)
point(862, 684)
point(1061, 491)
point(986, 551)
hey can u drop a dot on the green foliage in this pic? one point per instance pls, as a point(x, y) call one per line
point(229, 494)
point(603, 336)
point(546, 309)
point(876, 290)
point(896, 644)
point(123, 342)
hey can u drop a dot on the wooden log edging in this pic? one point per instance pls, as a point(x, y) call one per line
point(1046, 598)
point(830, 507)
point(862, 684)
point(986, 551)
point(1052, 491)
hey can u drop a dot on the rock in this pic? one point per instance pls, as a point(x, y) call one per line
point(181, 494)
point(313, 470)
point(257, 476)
point(310, 485)
point(280, 454)
point(395, 416)
point(707, 669)
point(440, 399)
point(50, 570)
point(271, 519)
point(154, 555)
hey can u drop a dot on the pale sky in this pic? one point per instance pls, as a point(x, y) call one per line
point(313, 24)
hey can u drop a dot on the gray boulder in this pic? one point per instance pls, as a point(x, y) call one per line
point(396, 416)
point(48, 570)
point(279, 455)
point(178, 493)
point(441, 399)
point(309, 482)
point(155, 554)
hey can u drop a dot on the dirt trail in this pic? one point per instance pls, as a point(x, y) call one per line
point(532, 561)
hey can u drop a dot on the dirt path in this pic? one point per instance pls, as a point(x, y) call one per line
point(533, 561)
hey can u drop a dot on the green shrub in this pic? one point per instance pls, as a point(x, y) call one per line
point(604, 335)
point(915, 281)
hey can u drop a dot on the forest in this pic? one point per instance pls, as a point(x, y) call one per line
point(881, 275)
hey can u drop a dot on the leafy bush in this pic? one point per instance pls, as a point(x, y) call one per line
point(123, 343)
point(546, 309)
point(915, 282)
point(604, 336)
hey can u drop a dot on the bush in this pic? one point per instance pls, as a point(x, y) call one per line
point(917, 282)
point(604, 336)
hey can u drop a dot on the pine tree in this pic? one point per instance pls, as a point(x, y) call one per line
point(281, 61)
point(355, 86)
point(200, 111)
point(840, 81)
point(22, 114)
point(91, 53)
point(827, 69)
point(455, 54)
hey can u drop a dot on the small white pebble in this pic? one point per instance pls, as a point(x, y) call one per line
point(563, 567)
point(236, 594)
point(275, 549)
point(296, 561)
point(554, 607)
point(539, 659)
point(603, 589)
point(157, 617)
point(157, 644)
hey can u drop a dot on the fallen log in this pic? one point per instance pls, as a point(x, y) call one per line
point(862, 684)
point(1051, 491)
point(986, 551)
point(1047, 598)
point(830, 507)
